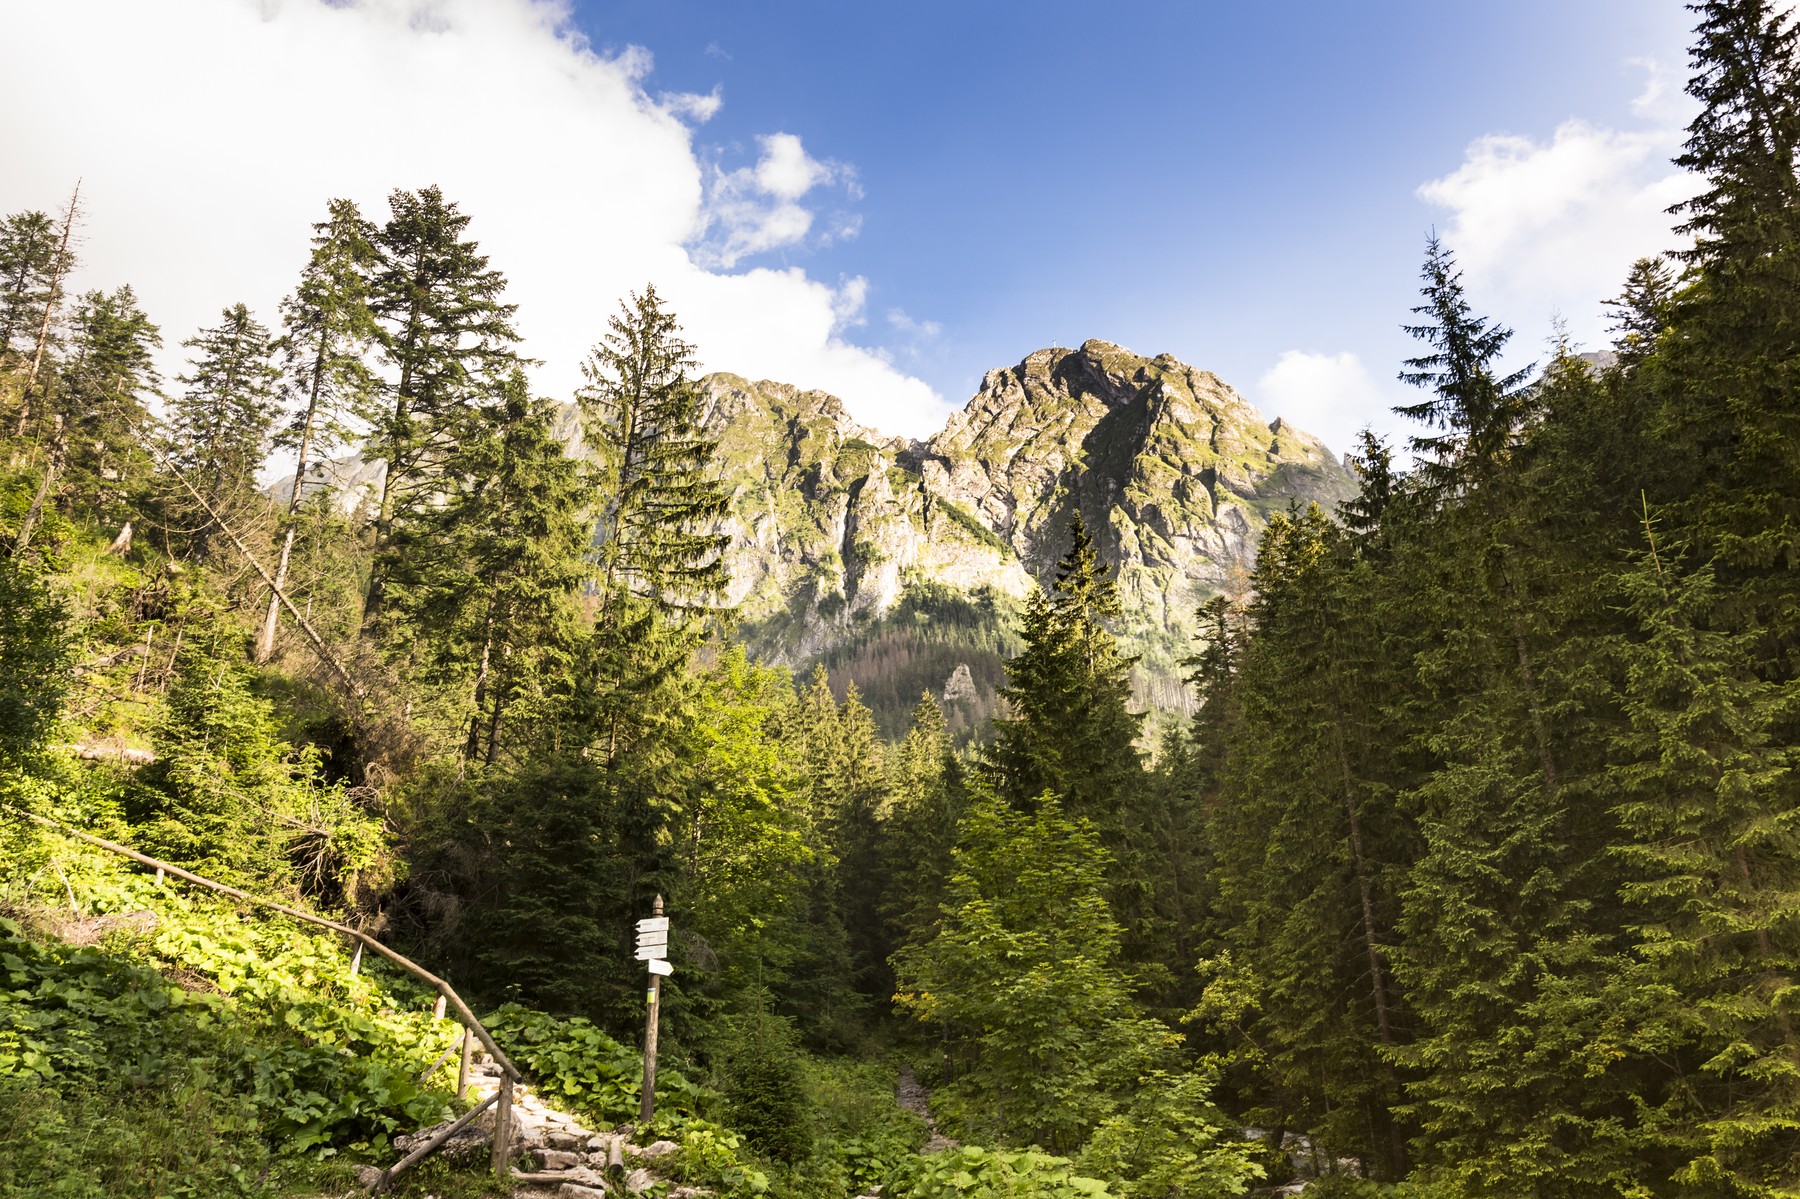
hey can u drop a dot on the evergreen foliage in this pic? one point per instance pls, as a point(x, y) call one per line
point(1023, 981)
point(221, 422)
point(445, 337)
point(1072, 731)
point(660, 568)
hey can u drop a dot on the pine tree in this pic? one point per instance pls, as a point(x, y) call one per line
point(494, 598)
point(220, 424)
point(1746, 136)
point(1728, 418)
point(926, 789)
point(27, 260)
point(660, 569)
point(35, 652)
point(328, 330)
point(1479, 413)
point(1309, 846)
point(1072, 730)
point(1023, 981)
point(102, 394)
point(43, 337)
point(1643, 311)
point(1705, 792)
point(446, 338)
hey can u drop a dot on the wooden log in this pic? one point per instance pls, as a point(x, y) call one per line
point(417, 1155)
point(462, 1073)
point(469, 1021)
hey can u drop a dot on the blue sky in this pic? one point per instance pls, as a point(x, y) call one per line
point(958, 184)
point(1224, 181)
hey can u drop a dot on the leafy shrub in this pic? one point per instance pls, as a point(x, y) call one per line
point(712, 1157)
point(315, 1074)
point(971, 1172)
point(1171, 1144)
point(570, 1061)
point(864, 1132)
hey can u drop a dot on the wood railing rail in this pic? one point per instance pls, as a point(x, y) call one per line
point(509, 1073)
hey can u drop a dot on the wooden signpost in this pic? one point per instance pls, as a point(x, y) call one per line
point(652, 950)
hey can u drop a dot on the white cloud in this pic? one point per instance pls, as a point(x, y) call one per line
point(695, 106)
point(1331, 396)
point(1651, 101)
point(904, 323)
point(851, 300)
point(1545, 227)
point(755, 209)
point(223, 126)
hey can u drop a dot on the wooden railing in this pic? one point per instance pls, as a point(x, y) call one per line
point(501, 1099)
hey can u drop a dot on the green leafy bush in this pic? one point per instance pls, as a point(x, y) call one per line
point(572, 1063)
point(971, 1172)
point(1171, 1143)
point(861, 1130)
point(713, 1157)
point(315, 1074)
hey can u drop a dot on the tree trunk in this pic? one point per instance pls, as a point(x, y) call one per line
point(36, 511)
point(57, 273)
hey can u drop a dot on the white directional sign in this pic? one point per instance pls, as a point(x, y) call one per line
point(658, 966)
point(653, 938)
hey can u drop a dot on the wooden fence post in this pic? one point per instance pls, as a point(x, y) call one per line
point(462, 1074)
point(503, 1130)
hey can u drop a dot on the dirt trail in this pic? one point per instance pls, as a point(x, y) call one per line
point(911, 1094)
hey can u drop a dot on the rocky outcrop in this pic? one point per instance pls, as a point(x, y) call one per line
point(1174, 472)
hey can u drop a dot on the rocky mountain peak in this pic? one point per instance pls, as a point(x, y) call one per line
point(834, 526)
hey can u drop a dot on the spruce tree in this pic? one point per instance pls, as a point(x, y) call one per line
point(328, 329)
point(926, 800)
point(1072, 730)
point(1706, 798)
point(102, 394)
point(445, 337)
point(27, 260)
point(1023, 981)
point(220, 424)
point(1643, 310)
point(1473, 415)
point(1310, 848)
point(1727, 391)
point(660, 568)
point(493, 600)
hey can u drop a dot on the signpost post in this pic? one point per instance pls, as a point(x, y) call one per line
point(652, 950)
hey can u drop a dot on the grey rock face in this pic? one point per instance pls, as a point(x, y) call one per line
point(1174, 472)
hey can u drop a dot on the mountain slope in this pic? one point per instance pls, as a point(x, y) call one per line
point(1173, 470)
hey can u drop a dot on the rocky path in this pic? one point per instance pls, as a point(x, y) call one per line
point(911, 1094)
point(569, 1159)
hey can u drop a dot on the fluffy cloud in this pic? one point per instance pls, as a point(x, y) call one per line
point(1552, 227)
point(1331, 396)
point(208, 135)
point(755, 209)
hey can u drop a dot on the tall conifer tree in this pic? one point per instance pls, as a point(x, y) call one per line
point(446, 338)
point(660, 569)
point(1072, 730)
point(328, 329)
point(220, 423)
